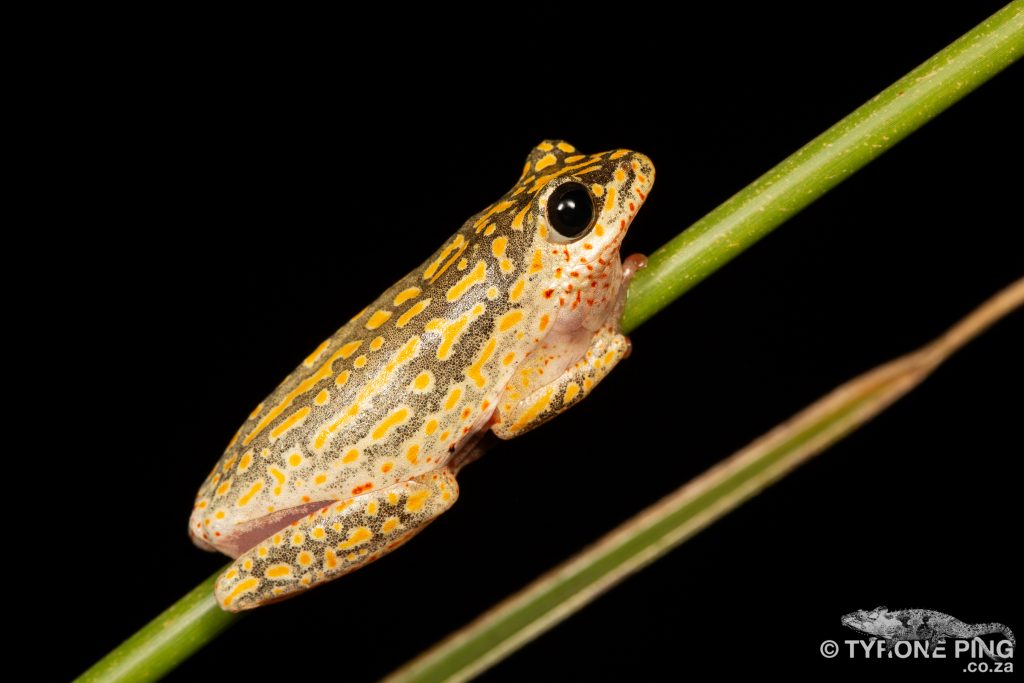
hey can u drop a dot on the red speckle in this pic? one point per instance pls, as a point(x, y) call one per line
point(590, 302)
point(632, 207)
point(601, 261)
point(622, 224)
point(590, 267)
point(216, 533)
point(569, 288)
point(593, 283)
point(588, 245)
point(574, 273)
point(548, 294)
point(642, 195)
point(465, 429)
point(561, 301)
point(305, 499)
point(295, 523)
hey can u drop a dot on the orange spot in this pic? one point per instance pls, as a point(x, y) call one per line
point(320, 479)
point(498, 246)
point(377, 319)
point(423, 381)
point(507, 360)
point(566, 147)
point(330, 559)
point(431, 427)
point(298, 539)
point(544, 320)
point(359, 362)
point(377, 343)
point(223, 488)
point(406, 294)
point(506, 266)
point(404, 319)
point(318, 533)
point(597, 189)
point(294, 459)
point(517, 220)
point(342, 378)
point(517, 290)
point(609, 201)
point(305, 559)
point(322, 397)
point(619, 154)
point(390, 524)
point(351, 456)
point(386, 467)
point(490, 229)
point(412, 455)
point(570, 392)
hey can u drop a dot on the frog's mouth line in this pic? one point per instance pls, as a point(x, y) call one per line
point(248, 535)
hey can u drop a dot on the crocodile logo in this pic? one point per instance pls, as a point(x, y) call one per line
point(921, 624)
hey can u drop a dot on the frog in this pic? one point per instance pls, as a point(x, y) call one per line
point(512, 321)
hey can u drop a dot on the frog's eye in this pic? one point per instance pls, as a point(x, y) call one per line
point(571, 210)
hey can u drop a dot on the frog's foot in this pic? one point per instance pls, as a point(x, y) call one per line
point(524, 406)
point(334, 540)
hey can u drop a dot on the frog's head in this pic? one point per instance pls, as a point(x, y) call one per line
point(866, 621)
point(575, 210)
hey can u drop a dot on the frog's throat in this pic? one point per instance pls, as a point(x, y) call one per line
point(248, 534)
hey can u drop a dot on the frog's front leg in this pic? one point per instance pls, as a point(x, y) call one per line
point(335, 540)
point(529, 401)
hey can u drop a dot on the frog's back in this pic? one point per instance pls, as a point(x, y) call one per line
point(392, 392)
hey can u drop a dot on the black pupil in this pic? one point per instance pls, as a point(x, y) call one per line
point(571, 209)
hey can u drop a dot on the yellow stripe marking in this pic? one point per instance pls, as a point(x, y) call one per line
point(243, 587)
point(244, 500)
point(517, 221)
point(517, 290)
point(432, 268)
point(278, 571)
point(377, 319)
point(413, 453)
point(351, 456)
point(315, 356)
point(477, 275)
point(570, 392)
point(416, 500)
point(509, 320)
point(407, 294)
point(416, 309)
point(539, 406)
point(355, 537)
point(448, 264)
point(538, 261)
point(474, 371)
point(297, 417)
point(395, 418)
point(453, 398)
point(545, 161)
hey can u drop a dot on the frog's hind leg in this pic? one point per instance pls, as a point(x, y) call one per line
point(334, 540)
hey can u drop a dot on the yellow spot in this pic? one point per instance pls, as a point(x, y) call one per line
point(305, 559)
point(277, 539)
point(342, 378)
point(517, 290)
point(498, 246)
point(220, 514)
point(253, 490)
point(371, 509)
point(492, 292)
point(416, 500)
point(378, 319)
point(390, 524)
point(359, 362)
point(619, 175)
point(396, 418)
point(262, 551)
point(406, 294)
point(490, 229)
point(544, 320)
point(509, 320)
point(295, 459)
point(474, 371)
point(386, 467)
point(243, 587)
point(507, 360)
point(278, 571)
point(566, 147)
point(619, 154)
point(597, 189)
point(356, 537)
point(453, 398)
point(351, 456)
point(246, 460)
point(538, 407)
point(315, 356)
point(279, 476)
point(545, 147)
point(506, 266)
point(587, 383)
point(609, 201)
point(545, 161)
point(538, 261)
point(598, 229)
point(423, 382)
point(377, 343)
point(298, 539)
point(413, 453)
point(320, 479)
point(609, 357)
point(431, 427)
point(462, 264)
point(475, 276)
point(330, 559)
point(223, 488)
point(570, 392)
point(416, 309)
point(323, 397)
point(318, 533)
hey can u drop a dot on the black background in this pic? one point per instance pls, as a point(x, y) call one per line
point(229, 207)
